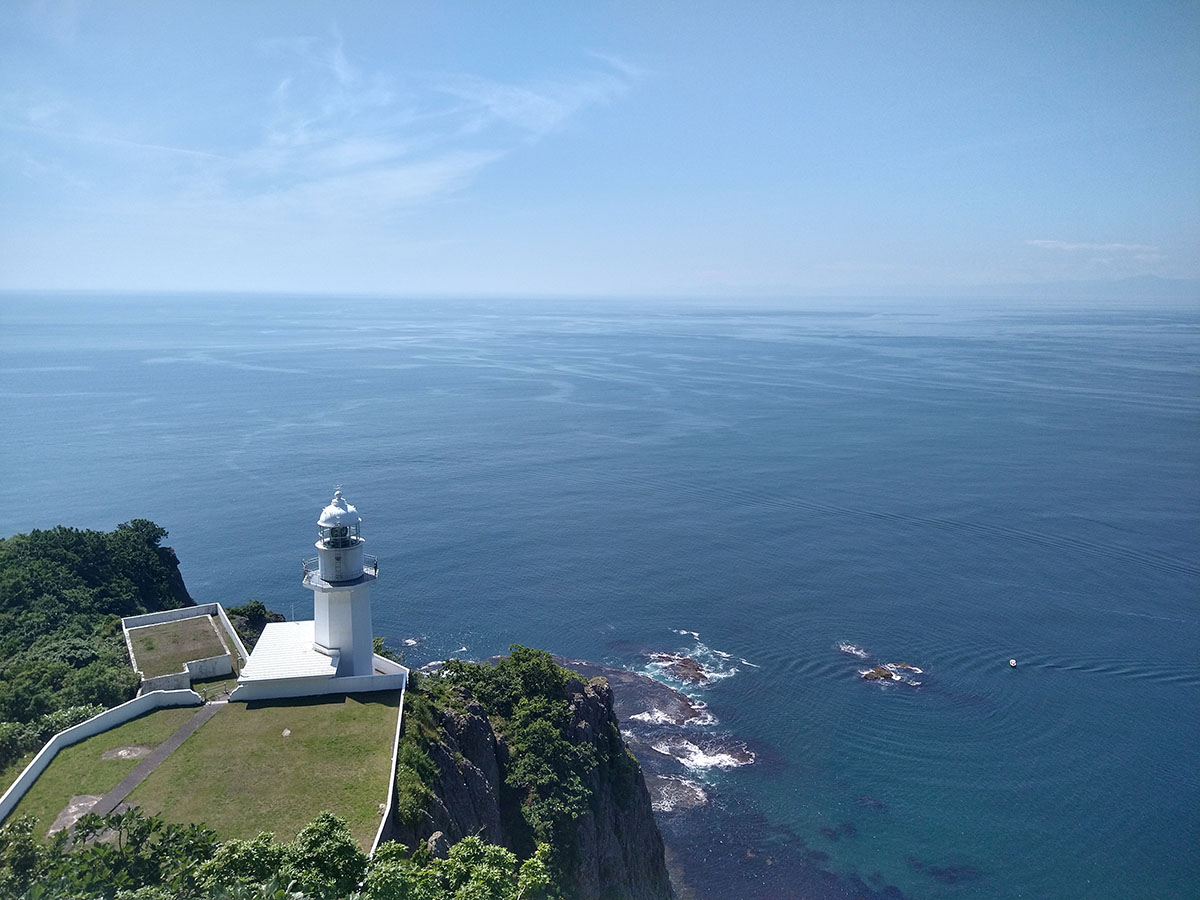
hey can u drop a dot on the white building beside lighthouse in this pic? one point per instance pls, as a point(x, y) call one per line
point(334, 652)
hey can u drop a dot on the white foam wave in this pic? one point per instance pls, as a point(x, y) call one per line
point(703, 717)
point(654, 717)
point(679, 792)
point(715, 664)
point(847, 647)
point(698, 759)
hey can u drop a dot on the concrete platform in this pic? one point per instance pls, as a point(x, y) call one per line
point(285, 650)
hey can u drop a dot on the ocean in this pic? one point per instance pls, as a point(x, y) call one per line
point(791, 493)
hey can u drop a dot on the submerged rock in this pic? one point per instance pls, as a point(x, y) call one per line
point(682, 667)
point(880, 673)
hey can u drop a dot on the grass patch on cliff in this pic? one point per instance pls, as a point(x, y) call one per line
point(241, 774)
point(415, 771)
point(79, 769)
point(164, 648)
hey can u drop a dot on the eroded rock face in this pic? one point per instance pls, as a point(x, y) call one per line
point(466, 790)
point(620, 847)
point(620, 852)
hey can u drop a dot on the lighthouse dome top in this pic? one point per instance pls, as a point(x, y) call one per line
point(338, 512)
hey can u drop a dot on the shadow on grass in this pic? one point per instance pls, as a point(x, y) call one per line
point(380, 698)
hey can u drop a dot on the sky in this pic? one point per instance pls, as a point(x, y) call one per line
point(591, 148)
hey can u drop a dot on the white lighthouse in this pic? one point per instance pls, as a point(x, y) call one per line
point(331, 653)
point(340, 578)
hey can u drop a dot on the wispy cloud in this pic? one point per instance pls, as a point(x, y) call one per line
point(1111, 253)
point(536, 110)
point(334, 134)
point(1094, 247)
point(340, 134)
point(118, 142)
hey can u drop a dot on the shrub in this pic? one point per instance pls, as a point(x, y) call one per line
point(242, 862)
point(324, 860)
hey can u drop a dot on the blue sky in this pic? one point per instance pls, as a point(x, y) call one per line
point(596, 148)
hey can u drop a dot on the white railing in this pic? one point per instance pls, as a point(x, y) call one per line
point(312, 565)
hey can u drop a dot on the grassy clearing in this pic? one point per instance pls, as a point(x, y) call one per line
point(80, 770)
point(163, 649)
point(240, 775)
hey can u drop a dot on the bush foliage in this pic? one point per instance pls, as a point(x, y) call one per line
point(130, 856)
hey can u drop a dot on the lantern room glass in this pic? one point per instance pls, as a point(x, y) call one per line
point(339, 535)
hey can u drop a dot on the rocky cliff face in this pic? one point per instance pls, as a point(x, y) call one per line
point(616, 850)
point(620, 849)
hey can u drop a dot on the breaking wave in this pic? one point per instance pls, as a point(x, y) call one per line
point(672, 792)
point(705, 755)
point(697, 665)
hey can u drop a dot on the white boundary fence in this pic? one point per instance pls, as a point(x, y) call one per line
point(387, 823)
point(110, 718)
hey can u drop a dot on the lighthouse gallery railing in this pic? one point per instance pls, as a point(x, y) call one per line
point(312, 565)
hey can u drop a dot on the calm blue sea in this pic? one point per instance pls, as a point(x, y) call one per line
point(791, 493)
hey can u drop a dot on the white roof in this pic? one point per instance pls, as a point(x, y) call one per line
point(285, 650)
point(338, 512)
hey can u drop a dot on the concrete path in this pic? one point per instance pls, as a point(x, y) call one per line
point(113, 798)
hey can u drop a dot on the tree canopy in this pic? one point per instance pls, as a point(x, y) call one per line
point(62, 595)
point(131, 856)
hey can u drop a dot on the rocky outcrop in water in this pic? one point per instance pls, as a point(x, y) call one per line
point(684, 668)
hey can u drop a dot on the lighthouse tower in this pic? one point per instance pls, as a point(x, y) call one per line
point(340, 578)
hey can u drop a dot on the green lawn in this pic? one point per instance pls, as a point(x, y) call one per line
point(163, 649)
point(80, 770)
point(240, 775)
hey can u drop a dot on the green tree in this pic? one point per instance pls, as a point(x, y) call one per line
point(473, 870)
point(324, 861)
point(254, 861)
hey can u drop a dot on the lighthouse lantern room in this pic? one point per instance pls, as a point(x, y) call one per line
point(339, 543)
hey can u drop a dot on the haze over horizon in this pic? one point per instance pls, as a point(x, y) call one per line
point(666, 149)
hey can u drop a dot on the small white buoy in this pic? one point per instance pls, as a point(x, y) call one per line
point(1013, 663)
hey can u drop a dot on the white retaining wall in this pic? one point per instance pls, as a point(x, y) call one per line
point(387, 823)
point(110, 718)
point(270, 689)
point(232, 634)
point(176, 681)
point(193, 670)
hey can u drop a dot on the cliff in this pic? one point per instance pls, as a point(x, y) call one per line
point(479, 782)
